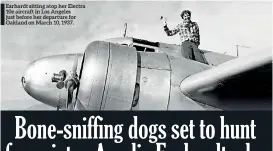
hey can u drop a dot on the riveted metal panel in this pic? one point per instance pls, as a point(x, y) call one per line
point(171, 52)
point(182, 68)
point(121, 78)
point(154, 89)
point(178, 101)
point(93, 76)
point(154, 61)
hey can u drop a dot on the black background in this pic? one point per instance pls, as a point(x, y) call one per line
point(263, 130)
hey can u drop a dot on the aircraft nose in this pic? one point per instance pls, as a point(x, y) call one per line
point(26, 78)
point(36, 81)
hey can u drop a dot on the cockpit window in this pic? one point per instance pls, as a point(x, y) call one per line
point(150, 50)
point(146, 42)
point(144, 49)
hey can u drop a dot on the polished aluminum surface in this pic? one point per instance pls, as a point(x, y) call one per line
point(240, 84)
point(121, 78)
point(37, 79)
point(154, 80)
point(93, 75)
point(180, 70)
point(209, 79)
point(108, 77)
point(154, 61)
point(154, 89)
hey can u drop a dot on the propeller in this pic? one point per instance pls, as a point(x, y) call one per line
point(73, 76)
point(75, 65)
point(63, 77)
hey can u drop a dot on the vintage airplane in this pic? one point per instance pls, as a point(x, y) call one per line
point(133, 74)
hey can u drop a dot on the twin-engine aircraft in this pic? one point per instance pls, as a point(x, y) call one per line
point(133, 74)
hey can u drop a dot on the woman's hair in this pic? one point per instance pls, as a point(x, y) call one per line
point(185, 11)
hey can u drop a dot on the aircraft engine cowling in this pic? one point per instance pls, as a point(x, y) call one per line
point(107, 77)
point(117, 77)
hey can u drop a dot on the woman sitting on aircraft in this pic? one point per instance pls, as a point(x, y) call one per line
point(189, 36)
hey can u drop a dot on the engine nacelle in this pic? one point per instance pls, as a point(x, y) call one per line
point(107, 78)
point(116, 77)
point(113, 77)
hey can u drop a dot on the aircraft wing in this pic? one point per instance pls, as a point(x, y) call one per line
point(241, 83)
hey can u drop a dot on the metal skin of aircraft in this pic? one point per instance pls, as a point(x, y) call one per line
point(133, 74)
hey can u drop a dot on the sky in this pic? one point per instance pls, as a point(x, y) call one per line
point(223, 25)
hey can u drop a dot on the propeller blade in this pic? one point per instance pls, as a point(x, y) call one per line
point(73, 71)
point(75, 65)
